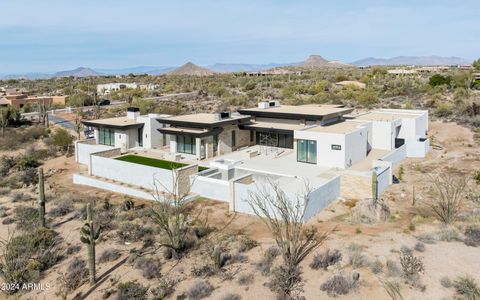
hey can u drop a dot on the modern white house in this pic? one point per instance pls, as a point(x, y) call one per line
point(228, 155)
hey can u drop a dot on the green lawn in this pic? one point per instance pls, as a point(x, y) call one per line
point(152, 162)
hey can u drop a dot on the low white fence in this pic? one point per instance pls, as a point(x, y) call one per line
point(383, 180)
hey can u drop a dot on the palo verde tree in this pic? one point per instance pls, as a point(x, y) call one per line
point(285, 218)
point(8, 115)
point(89, 235)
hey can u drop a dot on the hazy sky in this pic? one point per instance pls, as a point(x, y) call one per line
point(48, 35)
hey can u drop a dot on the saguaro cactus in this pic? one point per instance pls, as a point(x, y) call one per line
point(374, 186)
point(41, 197)
point(88, 236)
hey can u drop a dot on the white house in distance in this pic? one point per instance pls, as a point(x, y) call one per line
point(329, 146)
point(107, 88)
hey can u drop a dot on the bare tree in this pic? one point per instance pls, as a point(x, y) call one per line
point(170, 213)
point(285, 219)
point(448, 197)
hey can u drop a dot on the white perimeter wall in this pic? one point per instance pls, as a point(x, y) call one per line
point(321, 196)
point(83, 151)
point(211, 188)
point(383, 180)
point(396, 156)
point(130, 173)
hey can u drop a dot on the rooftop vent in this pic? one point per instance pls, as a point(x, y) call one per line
point(267, 104)
point(222, 115)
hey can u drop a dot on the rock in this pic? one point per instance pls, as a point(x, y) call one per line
point(355, 276)
point(369, 211)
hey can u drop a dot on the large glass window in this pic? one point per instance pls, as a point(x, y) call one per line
point(185, 144)
point(307, 151)
point(106, 136)
point(275, 139)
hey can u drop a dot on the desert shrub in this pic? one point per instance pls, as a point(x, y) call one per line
point(325, 259)
point(28, 176)
point(355, 256)
point(5, 191)
point(26, 217)
point(19, 197)
point(245, 244)
point(132, 232)
point(150, 267)
point(448, 197)
point(203, 270)
point(60, 210)
point(392, 288)
point(164, 288)
point(337, 285)
point(406, 249)
point(131, 291)
point(8, 221)
point(230, 296)
point(3, 212)
point(6, 164)
point(24, 257)
point(446, 282)
point(472, 236)
point(72, 249)
point(286, 283)
point(245, 278)
point(199, 290)
point(426, 238)
point(448, 235)
point(265, 264)
point(393, 269)
point(420, 247)
point(77, 273)
point(376, 267)
point(109, 255)
point(466, 288)
point(411, 266)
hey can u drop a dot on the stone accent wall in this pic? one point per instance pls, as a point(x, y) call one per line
point(108, 153)
point(242, 138)
point(183, 178)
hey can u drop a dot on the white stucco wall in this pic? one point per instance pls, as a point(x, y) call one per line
point(322, 195)
point(396, 156)
point(152, 138)
point(356, 146)
point(211, 188)
point(383, 179)
point(325, 155)
point(83, 151)
point(383, 135)
point(131, 173)
point(417, 148)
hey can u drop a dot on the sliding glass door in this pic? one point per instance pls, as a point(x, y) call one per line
point(186, 144)
point(307, 151)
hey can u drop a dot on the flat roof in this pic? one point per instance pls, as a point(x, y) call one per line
point(201, 119)
point(384, 116)
point(274, 125)
point(337, 128)
point(309, 112)
point(120, 122)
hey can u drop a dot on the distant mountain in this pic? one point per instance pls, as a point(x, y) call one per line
point(412, 60)
point(151, 70)
point(317, 61)
point(78, 72)
point(230, 68)
point(191, 69)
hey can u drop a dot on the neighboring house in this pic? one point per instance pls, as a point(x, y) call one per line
point(107, 88)
point(325, 145)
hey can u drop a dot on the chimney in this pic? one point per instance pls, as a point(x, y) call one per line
point(133, 113)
